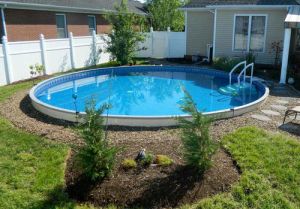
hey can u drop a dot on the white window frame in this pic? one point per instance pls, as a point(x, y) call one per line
point(65, 23)
point(249, 31)
point(95, 22)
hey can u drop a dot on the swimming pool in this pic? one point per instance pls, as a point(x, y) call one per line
point(145, 95)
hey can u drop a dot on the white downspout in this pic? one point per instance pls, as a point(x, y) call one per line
point(285, 54)
point(215, 34)
point(3, 22)
point(185, 28)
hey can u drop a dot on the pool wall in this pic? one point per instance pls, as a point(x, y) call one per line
point(136, 121)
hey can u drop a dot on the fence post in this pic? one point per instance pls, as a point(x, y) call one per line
point(94, 47)
point(7, 61)
point(43, 53)
point(152, 41)
point(72, 53)
point(168, 41)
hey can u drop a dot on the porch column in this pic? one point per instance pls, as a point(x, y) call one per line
point(285, 54)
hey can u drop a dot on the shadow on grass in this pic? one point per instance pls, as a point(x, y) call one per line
point(57, 198)
point(169, 191)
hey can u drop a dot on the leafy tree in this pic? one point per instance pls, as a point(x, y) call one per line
point(124, 40)
point(96, 157)
point(166, 13)
point(198, 147)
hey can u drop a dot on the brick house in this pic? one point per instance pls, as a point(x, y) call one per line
point(26, 20)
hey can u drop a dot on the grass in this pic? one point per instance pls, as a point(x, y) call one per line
point(270, 166)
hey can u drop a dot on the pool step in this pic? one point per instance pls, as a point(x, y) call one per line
point(234, 89)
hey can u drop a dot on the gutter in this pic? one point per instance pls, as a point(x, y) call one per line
point(236, 7)
point(40, 7)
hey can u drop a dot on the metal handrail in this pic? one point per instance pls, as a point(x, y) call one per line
point(244, 71)
point(236, 67)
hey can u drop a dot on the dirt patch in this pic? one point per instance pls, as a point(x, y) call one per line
point(154, 187)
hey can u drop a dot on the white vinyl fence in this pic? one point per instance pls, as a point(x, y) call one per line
point(59, 55)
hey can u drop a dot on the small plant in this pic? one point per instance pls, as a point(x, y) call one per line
point(129, 164)
point(163, 160)
point(198, 147)
point(250, 58)
point(36, 69)
point(148, 160)
point(96, 157)
point(276, 49)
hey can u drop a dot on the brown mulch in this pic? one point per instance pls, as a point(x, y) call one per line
point(154, 187)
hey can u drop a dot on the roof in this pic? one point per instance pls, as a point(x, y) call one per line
point(205, 3)
point(293, 15)
point(75, 5)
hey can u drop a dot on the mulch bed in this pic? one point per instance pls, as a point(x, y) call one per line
point(153, 187)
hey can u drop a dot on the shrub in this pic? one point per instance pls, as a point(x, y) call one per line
point(163, 160)
point(148, 160)
point(124, 40)
point(129, 164)
point(226, 63)
point(198, 147)
point(96, 157)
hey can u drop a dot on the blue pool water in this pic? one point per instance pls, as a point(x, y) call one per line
point(145, 91)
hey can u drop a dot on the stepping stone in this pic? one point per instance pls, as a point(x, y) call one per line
point(261, 118)
point(282, 101)
point(270, 112)
point(279, 107)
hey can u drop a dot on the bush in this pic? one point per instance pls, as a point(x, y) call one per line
point(148, 160)
point(96, 157)
point(129, 164)
point(198, 147)
point(163, 160)
point(226, 63)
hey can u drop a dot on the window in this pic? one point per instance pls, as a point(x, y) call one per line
point(92, 24)
point(249, 33)
point(61, 26)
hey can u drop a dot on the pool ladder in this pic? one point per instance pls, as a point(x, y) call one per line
point(242, 73)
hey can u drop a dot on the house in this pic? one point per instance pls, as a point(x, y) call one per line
point(237, 27)
point(26, 20)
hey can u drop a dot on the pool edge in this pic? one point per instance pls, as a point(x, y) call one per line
point(140, 121)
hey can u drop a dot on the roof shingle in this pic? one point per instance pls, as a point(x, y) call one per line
point(204, 3)
point(101, 5)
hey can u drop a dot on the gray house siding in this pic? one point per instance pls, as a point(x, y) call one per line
point(199, 32)
point(224, 33)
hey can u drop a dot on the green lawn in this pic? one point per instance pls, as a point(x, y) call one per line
point(270, 166)
point(32, 169)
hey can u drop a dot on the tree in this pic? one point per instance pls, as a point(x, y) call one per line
point(96, 157)
point(124, 40)
point(166, 13)
point(198, 148)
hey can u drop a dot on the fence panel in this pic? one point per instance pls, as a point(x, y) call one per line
point(2, 68)
point(177, 44)
point(22, 55)
point(59, 55)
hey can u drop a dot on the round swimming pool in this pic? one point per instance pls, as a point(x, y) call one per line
point(146, 95)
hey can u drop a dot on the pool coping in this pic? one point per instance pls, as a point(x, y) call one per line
point(138, 121)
